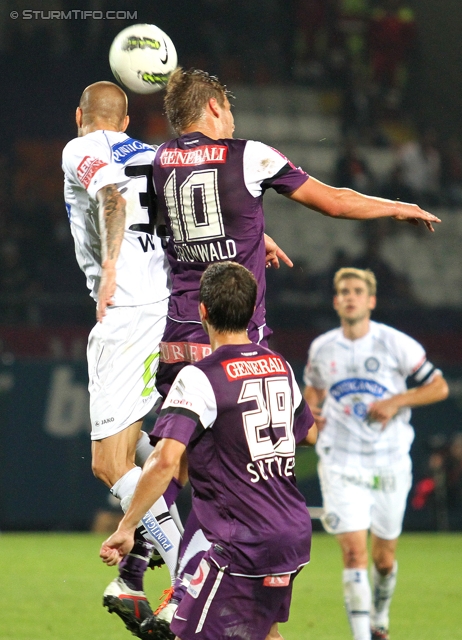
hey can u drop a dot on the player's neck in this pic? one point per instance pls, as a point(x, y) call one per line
point(210, 127)
point(221, 339)
point(356, 330)
point(97, 126)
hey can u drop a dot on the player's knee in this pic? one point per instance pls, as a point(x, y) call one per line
point(354, 557)
point(384, 563)
point(99, 471)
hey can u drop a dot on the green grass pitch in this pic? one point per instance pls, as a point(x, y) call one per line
point(52, 585)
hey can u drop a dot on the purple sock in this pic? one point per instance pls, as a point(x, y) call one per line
point(133, 567)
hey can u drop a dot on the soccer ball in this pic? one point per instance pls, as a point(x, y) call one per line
point(142, 57)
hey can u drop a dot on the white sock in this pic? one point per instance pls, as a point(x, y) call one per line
point(176, 517)
point(157, 524)
point(384, 587)
point(357, 596)
point(143, 449)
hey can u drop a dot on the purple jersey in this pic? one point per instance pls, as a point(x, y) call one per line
point(240, 413)
point(210, 194)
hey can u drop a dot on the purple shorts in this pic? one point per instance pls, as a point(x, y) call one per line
point(218, 606)
point(184, 343)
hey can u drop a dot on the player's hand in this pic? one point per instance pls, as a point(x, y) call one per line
point(106, 290)
point(274, 253)
point(383, 411)
point(318, 418)
point(116, 547)
point(412, 213)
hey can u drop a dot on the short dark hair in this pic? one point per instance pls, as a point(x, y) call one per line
point(229, 292)
point(187, 95)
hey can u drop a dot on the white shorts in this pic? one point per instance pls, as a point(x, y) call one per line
point(357, 499)
point(123, 357)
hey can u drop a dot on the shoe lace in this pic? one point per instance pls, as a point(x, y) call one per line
point(167, 596)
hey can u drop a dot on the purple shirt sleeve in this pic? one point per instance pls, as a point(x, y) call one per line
point(303, 421)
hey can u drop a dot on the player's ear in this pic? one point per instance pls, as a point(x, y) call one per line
point(335, 302)
point(214, 107)
point(125, 123)
point(78, 117)
point(372, 302)
point(203, 313)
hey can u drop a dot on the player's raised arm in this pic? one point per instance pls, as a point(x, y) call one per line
point(112, 227)
point(346, 203)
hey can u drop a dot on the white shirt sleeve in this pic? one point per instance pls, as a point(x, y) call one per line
point(411, 355)
point(88, 162)
point(413, 360)
point(297, 395)
point(193, 392)
point(314, 372)
point(260, 163)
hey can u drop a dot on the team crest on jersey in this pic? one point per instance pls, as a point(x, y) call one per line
point(123, 151)
point(372, 364)
point(360, 410)
point(87, 169)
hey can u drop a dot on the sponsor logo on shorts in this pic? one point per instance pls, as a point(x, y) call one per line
point(106, 420)
point(277, 581)
point(172, 352)
point(205, 154)
point(331, 520)
point(372, 364)
point(199, 578)
point(258, 367)
point(123, 151)
point(87, 169)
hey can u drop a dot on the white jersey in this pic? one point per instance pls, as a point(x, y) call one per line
point(356, 373)
point(90, 163)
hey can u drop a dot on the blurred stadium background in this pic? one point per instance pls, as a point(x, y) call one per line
point(360, 93)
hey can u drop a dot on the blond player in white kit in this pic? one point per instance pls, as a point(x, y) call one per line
point(111, 207)
point(356, 388)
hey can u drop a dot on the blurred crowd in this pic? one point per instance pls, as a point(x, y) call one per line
point(440, 490)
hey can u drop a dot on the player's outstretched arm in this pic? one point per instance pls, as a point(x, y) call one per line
point(346, 203)
point(274, 253)
point(384, 410)
point(158, 471)
point(112, 227)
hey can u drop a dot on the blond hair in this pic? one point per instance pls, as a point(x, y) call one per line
point(187, 95)
point(366, 275)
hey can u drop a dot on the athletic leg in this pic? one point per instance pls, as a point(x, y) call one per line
point(356, 588)
point(384, 576)
point(274, 633)
point(387, 520)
